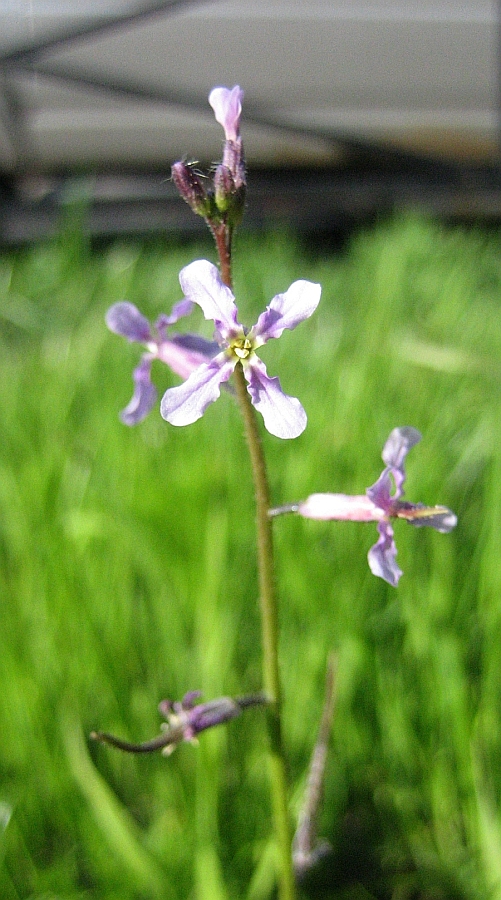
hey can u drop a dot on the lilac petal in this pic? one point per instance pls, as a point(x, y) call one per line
point(400, 441)
point(186, 403)
point(190, 699)
point(287, 310)
point(380, 492)
point(184, 353)
point(125, 319)
point(438, 517)
point(227, 106)
point(202, 284)
point(144, 396)
point(183, 308)
point(283, 415)
point(382, 556)
point(341, 507)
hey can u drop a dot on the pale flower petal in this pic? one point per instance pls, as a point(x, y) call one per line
point(380, 492)
point(287, 310)
point(201, 283)
point(184, 353)
point(144, 396)
point(227, 106)
point(179, 310)
point(400, 441)
point(283, 415)
point(125, 319)
point(186, 403)
point(382, 556)
point(347, 507)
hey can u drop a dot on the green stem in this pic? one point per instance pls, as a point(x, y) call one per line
point(268, 606)
point(269, 625)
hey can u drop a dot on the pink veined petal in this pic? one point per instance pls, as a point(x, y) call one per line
point(382, 556)
point(186, 403)
point(227, 106)
point(283, 415)
point(341, 507)
point(287, 310)
point(201, 283)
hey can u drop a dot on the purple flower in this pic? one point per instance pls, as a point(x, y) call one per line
point(283, 416)
point(227, 106)
point(183, 353)
point(379, 505)
point(185, 720)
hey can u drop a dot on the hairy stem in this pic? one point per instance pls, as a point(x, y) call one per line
point(223, 237)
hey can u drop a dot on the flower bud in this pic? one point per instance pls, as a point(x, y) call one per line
point(229, 198)
point(192, 188)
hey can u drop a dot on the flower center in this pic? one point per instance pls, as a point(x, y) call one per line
point(242, 348)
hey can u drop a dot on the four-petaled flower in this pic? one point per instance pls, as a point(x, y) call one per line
point(379, 505)
point(183, 353)
point(186, 719)
point(283, 415)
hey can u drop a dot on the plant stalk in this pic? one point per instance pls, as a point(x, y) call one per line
point(268, 602)
point(269, 627)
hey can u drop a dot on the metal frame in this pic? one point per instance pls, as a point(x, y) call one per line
point(373, 175)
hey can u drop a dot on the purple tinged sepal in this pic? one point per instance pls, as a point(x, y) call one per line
point(192, 187)
point(380, 505)
point(228, 197)
point(185, 720)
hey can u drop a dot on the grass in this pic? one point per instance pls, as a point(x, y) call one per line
point(127, 574)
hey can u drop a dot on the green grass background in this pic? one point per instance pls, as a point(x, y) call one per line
point(127, 574)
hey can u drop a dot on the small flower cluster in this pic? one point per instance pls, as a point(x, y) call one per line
point(219, 201)
point(206, 365)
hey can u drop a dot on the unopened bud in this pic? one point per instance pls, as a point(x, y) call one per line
point(192, 188)
point(229, 198)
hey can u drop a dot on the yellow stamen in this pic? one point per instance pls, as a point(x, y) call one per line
point(242, 348)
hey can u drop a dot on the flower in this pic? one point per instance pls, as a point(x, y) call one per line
point(186, 719)
point(379, 505)
point(227, 106)
point(283, 416)
point(182, 352)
